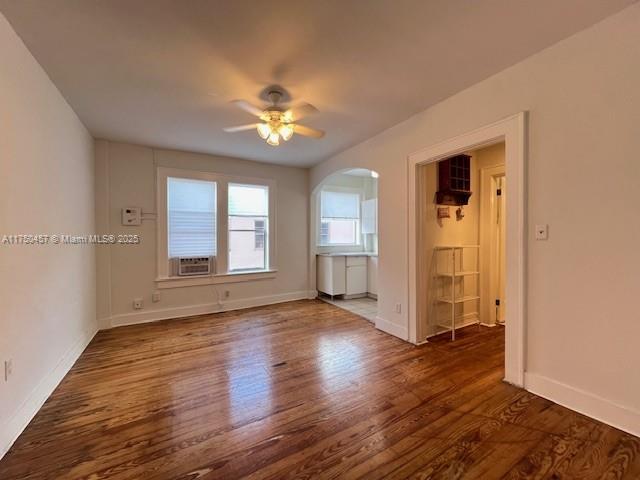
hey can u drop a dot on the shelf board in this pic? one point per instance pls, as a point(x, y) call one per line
point(459, 274)
point(466, 298)
point(450, 247)
point(447, 328)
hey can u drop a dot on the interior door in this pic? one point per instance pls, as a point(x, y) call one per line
point(501, 250)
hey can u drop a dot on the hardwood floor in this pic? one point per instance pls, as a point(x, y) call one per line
point(304, 390)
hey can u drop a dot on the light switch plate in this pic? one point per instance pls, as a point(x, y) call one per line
point(542, 232)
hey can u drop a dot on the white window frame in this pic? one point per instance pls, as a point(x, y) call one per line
point(164, 279)
point(336, 189)
point(266, 226)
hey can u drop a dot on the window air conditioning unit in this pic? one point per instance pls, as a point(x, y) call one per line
point(185, 266)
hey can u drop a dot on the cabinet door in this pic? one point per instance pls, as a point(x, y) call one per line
point(356, 280)
point(330, 275)
point(338, 275)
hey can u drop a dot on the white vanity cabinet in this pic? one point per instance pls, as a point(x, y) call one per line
point(342, 275)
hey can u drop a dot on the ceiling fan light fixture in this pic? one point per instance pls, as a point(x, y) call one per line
point(275, 123)
point(263, 130)
point(274, 139)
point(286, 132)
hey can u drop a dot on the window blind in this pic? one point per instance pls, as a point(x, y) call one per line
point(340, 205)
point(248, 200)
point(191, 210)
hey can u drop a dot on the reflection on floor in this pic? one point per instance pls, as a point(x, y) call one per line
point(365, 307)
point(304, 390)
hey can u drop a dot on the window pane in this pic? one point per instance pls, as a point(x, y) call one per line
point(248, 221)
point(339, 232)
point(191, 217)
point(339, 218)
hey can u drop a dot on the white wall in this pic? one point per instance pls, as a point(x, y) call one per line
point(126, 176)
point(47, 292)
point(584, 110)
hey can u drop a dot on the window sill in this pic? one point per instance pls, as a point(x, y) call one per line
point(196, 280)
point(337, 245)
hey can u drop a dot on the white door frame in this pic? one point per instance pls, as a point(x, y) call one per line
point(512, 131)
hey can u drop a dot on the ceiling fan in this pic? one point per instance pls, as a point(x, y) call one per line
point(277, 122)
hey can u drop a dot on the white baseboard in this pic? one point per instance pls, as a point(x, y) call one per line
point(135, 318)
point(32, 404)
point(104, 323)
point(618, 416)
point(394, 329)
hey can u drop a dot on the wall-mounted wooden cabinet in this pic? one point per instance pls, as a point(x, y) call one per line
point(454, 181)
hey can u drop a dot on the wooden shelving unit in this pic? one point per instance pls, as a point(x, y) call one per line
point(457, 253)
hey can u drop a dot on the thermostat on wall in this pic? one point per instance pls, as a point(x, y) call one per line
point(131, 216)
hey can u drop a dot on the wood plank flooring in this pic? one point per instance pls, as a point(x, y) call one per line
point(304, 390)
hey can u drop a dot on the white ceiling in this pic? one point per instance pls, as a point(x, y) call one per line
point(162, 72)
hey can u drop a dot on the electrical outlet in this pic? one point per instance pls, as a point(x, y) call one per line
point(8, 369)
point(155, 297)
point(138, 303)
point(398, 307)
point(227, 294)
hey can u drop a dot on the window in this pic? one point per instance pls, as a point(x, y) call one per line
point(248, 214)
point(207, 214)
point(191, 217)
point(339, 218)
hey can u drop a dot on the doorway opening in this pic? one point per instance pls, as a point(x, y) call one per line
point(344, 233)
point(511, 132)
point(461, 238)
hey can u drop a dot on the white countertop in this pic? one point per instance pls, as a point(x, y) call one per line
point(348, 254)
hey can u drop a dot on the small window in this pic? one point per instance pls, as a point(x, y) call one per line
point(339, 218)
point(191, 217)
point(248, 215)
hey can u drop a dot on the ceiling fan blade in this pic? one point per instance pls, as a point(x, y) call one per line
point(248, 107)
point(308, 131)
point(241, 128)
point(300, 111)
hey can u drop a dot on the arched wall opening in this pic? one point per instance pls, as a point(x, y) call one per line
point(343, 229)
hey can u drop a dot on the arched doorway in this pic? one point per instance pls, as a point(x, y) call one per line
point(344, 240)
